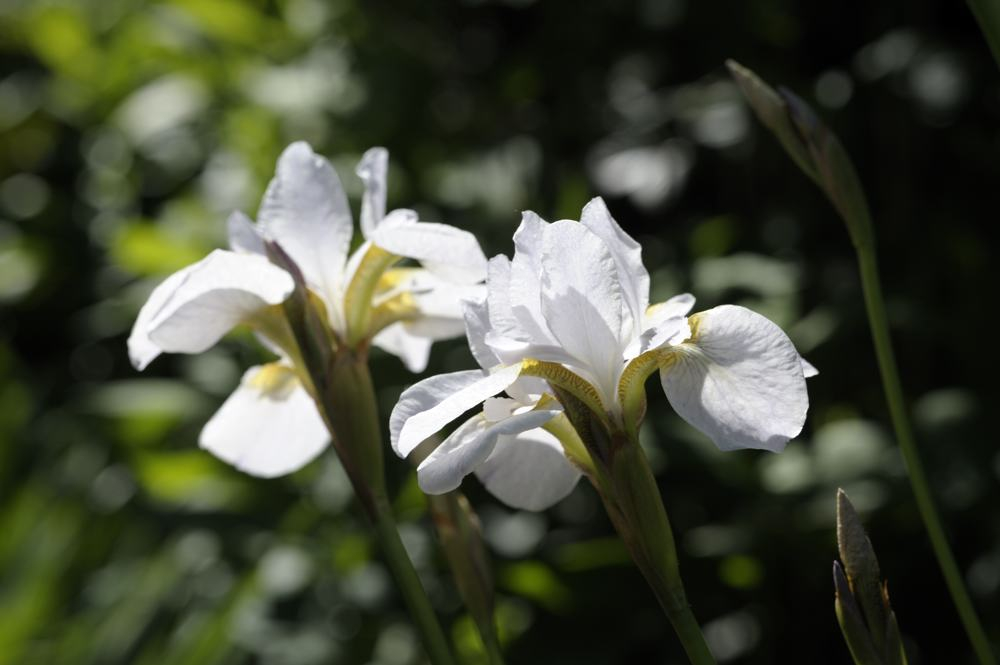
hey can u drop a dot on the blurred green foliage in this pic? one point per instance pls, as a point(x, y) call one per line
point(130, 128)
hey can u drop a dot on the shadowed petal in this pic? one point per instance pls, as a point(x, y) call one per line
point(219, 292)
point(528, 471)
point(468, 447)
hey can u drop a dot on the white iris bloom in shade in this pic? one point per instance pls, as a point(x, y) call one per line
point(270, 425)
point(571, 311)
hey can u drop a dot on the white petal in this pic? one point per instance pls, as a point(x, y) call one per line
point(449, 252)
point(306, 212)
point(468, 447)
point(243, 235)
point(477, 324)
point(581, 299)
point(423, 396)
point(808, 369)
point(524, 288)
point(413, 350)
point(141, 349)
point(502, 319)
point(739, 380)
point(627, 254)
point(428, 422)
point(528, 471)
point(266, 430)
point(663, 333)
point(219, 292)
point(372, 171)
point(679, 305)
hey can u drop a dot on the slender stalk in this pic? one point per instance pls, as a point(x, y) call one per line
point(350, 408)
point(987, 13)
point(874, 303)
point(409, 585)
point(642, 522)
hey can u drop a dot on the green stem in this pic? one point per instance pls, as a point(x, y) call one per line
point(911, 457)
point(987, 13)
point(641, 520)
point(351, 411)
point(409, 585)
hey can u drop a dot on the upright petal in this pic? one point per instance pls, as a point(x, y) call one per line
point(524, 287)
point(581, 299)
point(502, 319)
point(306, 212)
point(449, 252)
point(528, 471)
point(476, 314)
point(627, 254)
point(739, 380)
point(269, 426)
point(423, 396)
point(469, 446)
point(243, 235)
point(422, 425)
point(219, 292)
point(372, 171)
point(141, 349)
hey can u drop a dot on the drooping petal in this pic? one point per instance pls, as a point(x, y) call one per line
point(306, 212)
point(243, 235)
point(524, 287)
point(449, 252)
point(141, 349)
point(372, 171)
point(269, 426)
point(739, 380)
point(581, 299)
point(528, 471)
point(468, 447)
point(422, 425)
point(423, 396)
point(413, 350)
point(627, 254)
point(219, 292)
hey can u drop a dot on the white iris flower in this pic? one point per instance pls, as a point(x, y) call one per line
point(270, 425)
point(571, 310)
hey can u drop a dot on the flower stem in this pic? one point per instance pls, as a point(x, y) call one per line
point(875, 306)
point(409, 585)
point(349, 405)
point(641, 520)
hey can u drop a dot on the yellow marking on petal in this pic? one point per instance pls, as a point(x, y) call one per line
point(632, 385)
point(361, 290)
point(274, 380)
point(563, 378)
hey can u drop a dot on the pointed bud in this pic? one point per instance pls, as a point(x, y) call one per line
point(862, 604)
point(862, 567)
point(852, 623)
point(461, 537)
point(812, 146)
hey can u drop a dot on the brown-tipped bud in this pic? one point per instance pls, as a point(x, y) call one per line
point(812, 146)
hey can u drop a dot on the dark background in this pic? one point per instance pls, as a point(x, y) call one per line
point(129, 129)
